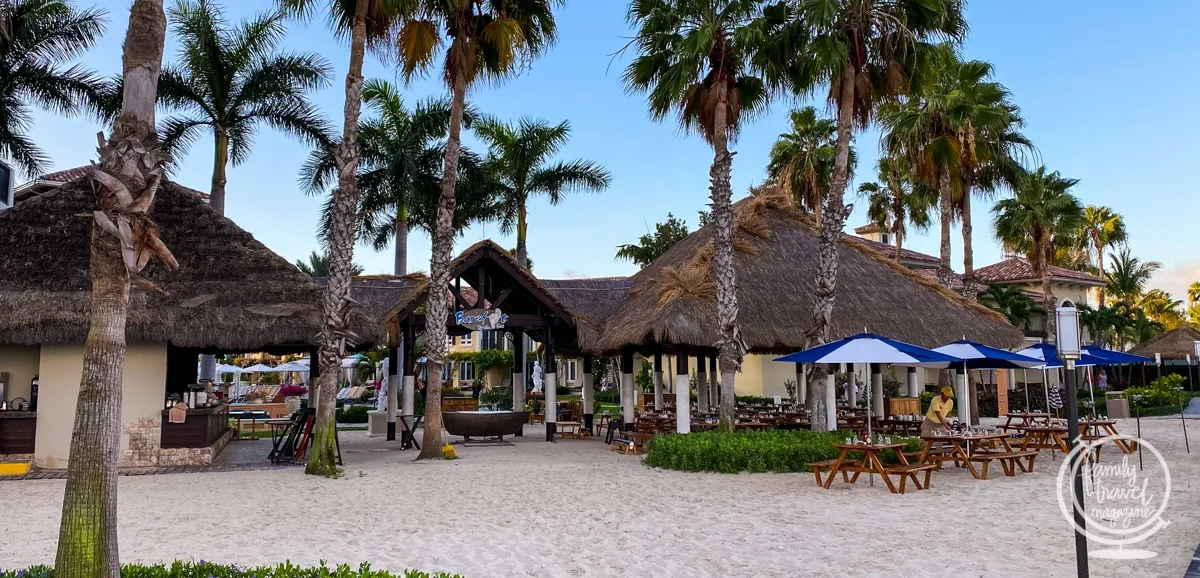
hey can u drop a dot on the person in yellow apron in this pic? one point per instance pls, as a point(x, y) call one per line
point(938, 416)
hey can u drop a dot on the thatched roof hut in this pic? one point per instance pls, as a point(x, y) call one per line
point(1177, 343)
point(230, 293)
point(672, 300)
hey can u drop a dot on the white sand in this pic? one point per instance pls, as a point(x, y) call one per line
point(575, 509)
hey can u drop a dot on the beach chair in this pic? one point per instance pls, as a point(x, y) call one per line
point(343, 392)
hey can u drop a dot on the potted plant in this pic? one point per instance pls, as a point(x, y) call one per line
point(291, 396)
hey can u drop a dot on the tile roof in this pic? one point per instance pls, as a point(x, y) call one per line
point(1020, 269)
point(867, 229)
point(905, 254)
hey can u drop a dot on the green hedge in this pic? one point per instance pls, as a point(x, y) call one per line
point(751, 451)
point(204, 569)
point(354, 414)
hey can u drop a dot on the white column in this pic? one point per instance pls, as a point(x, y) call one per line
point(914, 382)
point(628, 399)
point(658, 382)
point(393, 391)
point(410, 387)
point(801, 385)
point(831, 402)
point(683, 405)
point(588, 394)
point(702, 386)
point(963, 403)
point(852, 386)
point(876, 390)
point(550, 380)
point(714, 380)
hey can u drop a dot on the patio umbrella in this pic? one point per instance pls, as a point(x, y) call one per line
point(1049, 355)
point(258, 367)
point(871, 348)
point(979, 356)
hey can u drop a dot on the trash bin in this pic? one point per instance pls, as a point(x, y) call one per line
point(1118, 406)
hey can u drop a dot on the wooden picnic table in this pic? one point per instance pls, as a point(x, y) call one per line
point(1025, 419)
point(900, 426)
point(1094, 429)
point(1045, 438)
point(871, 462)
point(963, 448)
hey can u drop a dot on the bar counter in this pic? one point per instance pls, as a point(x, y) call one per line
point(201, 429)
point(17, 432)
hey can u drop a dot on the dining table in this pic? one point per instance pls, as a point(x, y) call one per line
point(964, 447)
point(1045, 438)
point(1096, 429)
point(871, 462)
point(1025, 419)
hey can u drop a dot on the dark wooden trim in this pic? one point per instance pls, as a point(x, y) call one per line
point(201, 429)
point(627, 362)
point(658, 361)
point(18, 434)
point(503, 295)
point(458, 297)
point(681, 363)
point(551, 354)
point(410, 342)
point(515, 321)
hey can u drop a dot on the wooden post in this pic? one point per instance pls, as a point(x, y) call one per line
point(393, 384)
point(683, 404)
point(714, 379)
point(702, 389)
point(628, 398)
point(551, 386)
point(658, 381)
point(588, 394)
point(518, 373)
point(876, 390)
point(314, 371)
point(410, 384)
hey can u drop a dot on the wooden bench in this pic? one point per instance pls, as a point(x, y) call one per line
point(936, 456)
point(624, 446)
point(910, 472)
point(827, 465)
point(1009, 461)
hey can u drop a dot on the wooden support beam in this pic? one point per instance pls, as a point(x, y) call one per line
point(458, 297)
point(503, 295)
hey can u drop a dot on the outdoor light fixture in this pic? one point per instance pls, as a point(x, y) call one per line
point(1067, 338)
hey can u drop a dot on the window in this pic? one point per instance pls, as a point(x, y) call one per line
point(571, 369)
point(446, 372)
point(467, 339)
point(466, 371)
point(492, 340)
point(449, 341)
point(885, 239)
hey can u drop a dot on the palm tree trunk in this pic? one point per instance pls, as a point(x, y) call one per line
point(969, 290)
point(401, 265)
point(729, 340)
point(322, 460)
point(945, 272)
point(897, 214)
point(1047, 295)
point(831, 233)
point(439, 279)
point(1100, 265)
point(216, 195)
point(522, 230)
point(87, 540)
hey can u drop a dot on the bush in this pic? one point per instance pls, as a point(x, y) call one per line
point(562, 390)
point(752, 451)
point(610, 395)
point(756, 400)
point(207, 570)
point(354, 413)
point(501, 396)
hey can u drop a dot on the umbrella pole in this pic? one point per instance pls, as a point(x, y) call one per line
point(1025, 377)
point(1092, 388)
point(1046, 391)
point(871, 474)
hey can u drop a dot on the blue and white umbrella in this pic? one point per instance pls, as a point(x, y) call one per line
point(1048, 354)
point(1114, 357)
point(871, 348)
point(979, 356)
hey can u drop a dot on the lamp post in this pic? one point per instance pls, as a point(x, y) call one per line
point(1067, 340)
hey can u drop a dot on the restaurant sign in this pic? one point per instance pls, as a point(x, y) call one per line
point(481, 319)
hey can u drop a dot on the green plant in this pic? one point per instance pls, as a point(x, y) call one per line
point(755, 400)
point(562, 390)
point(353, 414)
point(502, 397)
point(1160, 394)
point(789, 385)
point(891, 386)
point(926, 399)
point(752, 451)
point(180, 569)
point(610, 395)
point(643, 380)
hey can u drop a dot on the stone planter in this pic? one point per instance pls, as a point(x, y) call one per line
point(292, 403)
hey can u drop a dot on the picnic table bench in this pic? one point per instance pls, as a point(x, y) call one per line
point(967, 450)
point(871, 463)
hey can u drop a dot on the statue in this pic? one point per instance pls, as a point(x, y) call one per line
point(381, 393)
point(537, 377)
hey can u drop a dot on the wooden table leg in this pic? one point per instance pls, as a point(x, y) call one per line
point(836, 466)
point(966, 459)
point(877, 465)
point(1062, 444)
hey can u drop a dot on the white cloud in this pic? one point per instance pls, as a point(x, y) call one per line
point(572, 274)
point(1176, 277)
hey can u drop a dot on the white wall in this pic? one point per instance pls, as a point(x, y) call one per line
point(21, 363)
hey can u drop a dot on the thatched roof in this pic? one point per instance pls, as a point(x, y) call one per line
point(230, 292)
point(592, 301)
point(672, 300)
point(1177, 343)
point(374, 296)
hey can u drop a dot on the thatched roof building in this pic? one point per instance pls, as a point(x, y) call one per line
point(1177, 343)
point(672, 300)
point(230, 293)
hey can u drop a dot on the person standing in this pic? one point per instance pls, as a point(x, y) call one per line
point(938, 416)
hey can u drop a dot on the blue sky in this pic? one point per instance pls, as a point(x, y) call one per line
point(1099, 85)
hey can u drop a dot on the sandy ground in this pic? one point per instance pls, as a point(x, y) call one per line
point(576, 509)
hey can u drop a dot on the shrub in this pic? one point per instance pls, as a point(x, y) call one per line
point(353, 414)
point(610, 395)
point(751, 451)
point(206, 569)
point(562, 390)
point(755, 400)
point(501, 396)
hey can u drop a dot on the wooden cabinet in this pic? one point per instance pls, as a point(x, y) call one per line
point(17, 432)
point(459, 404)
point(901, 406)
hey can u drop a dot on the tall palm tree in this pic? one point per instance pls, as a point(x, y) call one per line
point(1193, 293)
point(895, 201)
point(40, 35)
point(1129, 275)
point(368, 23)
point(866, 51)
point(694, 59)
point(487, 39)
point(232, 79)
point(400, 174)
point(801, 162)
point(318, 265)
point(1013, 303)
point(123, 241)
point(1102, 228)
point(1162, 308)
point(1041, 209)
point(521, 159)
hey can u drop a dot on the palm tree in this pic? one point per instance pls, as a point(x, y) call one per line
point(1162, 308)
point(400, 174)
point(895, 200)
point(1013, 303)
point(369, 23)
point(1129, 275)
point(1102, 228)
point(41, 34)
point(867, 51)
point(1193, 293)
point(123, 241)
point(802, 160)
point(521, 159)
point(694, 59)
point(653, 245)
point(230, 81)
point(485, 38)
point(318, 266)
point(1041, 209)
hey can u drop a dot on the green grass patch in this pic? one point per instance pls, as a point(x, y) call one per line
point(752, 451)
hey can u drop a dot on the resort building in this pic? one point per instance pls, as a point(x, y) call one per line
point(231, 294)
